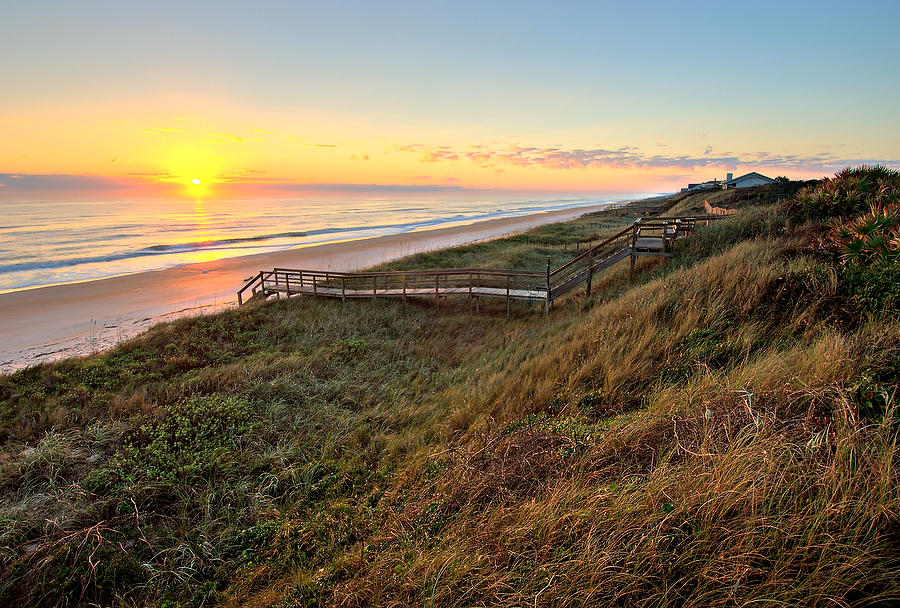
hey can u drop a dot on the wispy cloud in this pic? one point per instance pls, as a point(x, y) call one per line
point(230, 137)
point(310, 144)
point(163, 131)
point(152, 176)
point(248, 176)
point(250, 182)
point(517, 155)
point(55, 181)
point(338, 187)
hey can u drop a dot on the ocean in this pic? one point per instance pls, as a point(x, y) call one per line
point(51, 243)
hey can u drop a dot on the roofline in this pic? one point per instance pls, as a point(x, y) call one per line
point(740, 177)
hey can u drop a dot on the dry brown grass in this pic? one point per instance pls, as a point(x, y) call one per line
point(752, 481)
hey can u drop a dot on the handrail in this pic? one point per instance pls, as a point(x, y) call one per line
point(592, 250)
point(424, 271)
point(582, 267)
point(250, 284)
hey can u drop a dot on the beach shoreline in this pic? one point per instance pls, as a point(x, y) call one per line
point(53, 322)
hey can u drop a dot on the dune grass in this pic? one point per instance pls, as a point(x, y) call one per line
point(719, 430)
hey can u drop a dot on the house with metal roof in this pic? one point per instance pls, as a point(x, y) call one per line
point(746, 181)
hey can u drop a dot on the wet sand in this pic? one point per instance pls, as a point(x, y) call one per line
point(48, 323)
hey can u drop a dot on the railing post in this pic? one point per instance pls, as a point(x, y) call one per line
point(315, 288)
point(507, 296)
point(374, 286)
point(478, 299)
point(590, 271)
point(470, 293)
point(404, 287)
point(343, 289)
point(287, 284)
point(547, 307)
point(634, 232)
point(437, 300)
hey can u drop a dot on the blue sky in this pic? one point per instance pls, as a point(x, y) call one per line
point(684, 79)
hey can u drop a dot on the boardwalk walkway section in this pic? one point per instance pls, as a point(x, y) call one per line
point(646, 237)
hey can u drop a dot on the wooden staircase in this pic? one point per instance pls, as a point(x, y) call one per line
point(646, 237)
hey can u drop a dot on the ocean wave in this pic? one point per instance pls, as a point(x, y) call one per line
point(260, 241)
point(153, 250)
point(211, 244)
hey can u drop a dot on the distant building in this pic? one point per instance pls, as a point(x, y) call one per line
point(746, 181)
point(712, 184)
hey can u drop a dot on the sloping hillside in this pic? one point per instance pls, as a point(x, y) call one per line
point(720, 430)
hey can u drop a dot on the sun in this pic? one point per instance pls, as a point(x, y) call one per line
point(199, 187)
point(197, 168)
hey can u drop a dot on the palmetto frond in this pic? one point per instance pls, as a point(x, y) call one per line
point(851, 192)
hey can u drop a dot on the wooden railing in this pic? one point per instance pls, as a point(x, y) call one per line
point(482, 282)
point(583, 267)
point(647, 236)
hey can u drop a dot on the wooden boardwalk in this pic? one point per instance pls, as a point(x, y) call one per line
point(646, 237)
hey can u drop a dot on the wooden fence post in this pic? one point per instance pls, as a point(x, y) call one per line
point(507, 296)
point(547, 307)
point(634, 233)
point(477, 299)
point(590, 271)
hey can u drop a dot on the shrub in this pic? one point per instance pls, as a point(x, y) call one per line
point(184, 440)
point(848, 193)
point(872, 288)
point(871, 238)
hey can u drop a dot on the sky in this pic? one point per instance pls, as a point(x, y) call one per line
point(142, 99)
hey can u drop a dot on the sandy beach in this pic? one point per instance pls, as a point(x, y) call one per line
point(48, 323)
